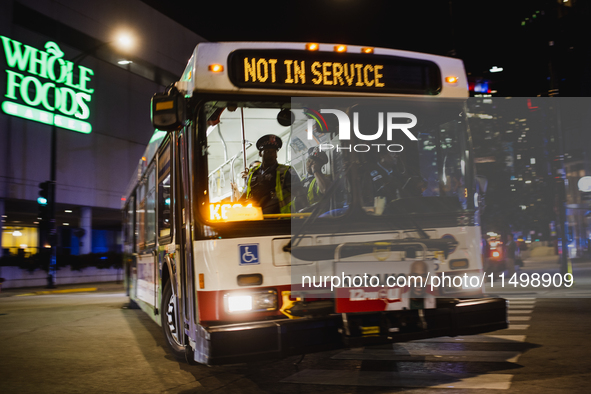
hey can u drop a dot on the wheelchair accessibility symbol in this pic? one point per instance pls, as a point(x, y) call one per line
point(249, 254)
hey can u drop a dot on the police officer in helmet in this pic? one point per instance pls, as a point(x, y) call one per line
point(269, 185)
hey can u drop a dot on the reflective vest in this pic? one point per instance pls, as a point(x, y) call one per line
point(284, 199)
point(314, 194)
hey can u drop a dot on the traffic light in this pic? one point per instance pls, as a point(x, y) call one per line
point(43, 198)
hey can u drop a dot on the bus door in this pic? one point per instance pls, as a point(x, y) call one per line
point(147, 262)
point(184, 238)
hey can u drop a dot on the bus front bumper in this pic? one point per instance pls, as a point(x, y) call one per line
point(235, 343)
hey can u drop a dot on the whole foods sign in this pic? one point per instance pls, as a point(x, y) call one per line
point(41, 86)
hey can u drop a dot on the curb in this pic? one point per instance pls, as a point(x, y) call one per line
point(57, 291)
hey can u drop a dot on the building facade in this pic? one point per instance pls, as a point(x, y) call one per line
point(61, 67)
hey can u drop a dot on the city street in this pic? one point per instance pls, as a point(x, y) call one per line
point(90, 342)
point(269, 181)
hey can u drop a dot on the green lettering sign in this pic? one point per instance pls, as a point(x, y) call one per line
point(42, 86)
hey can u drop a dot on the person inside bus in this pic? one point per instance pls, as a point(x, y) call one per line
point(244, 176)
point(316, 183)
point(386, 175)
point(270, 184)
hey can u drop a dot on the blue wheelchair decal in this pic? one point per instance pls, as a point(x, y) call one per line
point(249, 254)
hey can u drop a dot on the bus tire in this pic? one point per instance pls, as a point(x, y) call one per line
point(169, 318)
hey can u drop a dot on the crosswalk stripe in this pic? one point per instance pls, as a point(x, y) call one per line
point(509, 338)
point(432, 350)
point(530, 304)
point(519, 311)
point(475, 339)
point(519, 318)
point(408, 353)
point(402, 379)
point(518, 327)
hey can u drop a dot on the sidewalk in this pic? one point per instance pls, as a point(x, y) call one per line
point(69, 288)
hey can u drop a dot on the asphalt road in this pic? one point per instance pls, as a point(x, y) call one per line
point(91, 343)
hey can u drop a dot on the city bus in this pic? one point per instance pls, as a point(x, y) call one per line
point(231, 280)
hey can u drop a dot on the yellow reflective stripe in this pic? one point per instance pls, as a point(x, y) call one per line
point(313, 194)
point(278, 188)
point(249, 179)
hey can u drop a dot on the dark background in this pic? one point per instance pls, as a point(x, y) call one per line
point(482, 33)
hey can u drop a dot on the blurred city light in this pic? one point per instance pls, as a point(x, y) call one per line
point(124, 40)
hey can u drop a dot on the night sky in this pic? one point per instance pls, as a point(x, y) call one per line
point(480, 32)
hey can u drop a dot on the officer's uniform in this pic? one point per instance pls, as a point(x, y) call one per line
point(310, 183)
point(270, 188)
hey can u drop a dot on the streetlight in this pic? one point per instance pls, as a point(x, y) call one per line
point(122, 40)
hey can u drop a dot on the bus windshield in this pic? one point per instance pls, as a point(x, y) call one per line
point(310, 164)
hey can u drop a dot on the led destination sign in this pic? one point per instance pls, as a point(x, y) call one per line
point(41, 86)
point(289, 69)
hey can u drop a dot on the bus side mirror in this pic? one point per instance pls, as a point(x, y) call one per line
point(168, 110)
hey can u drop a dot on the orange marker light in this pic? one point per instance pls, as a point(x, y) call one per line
point(367, 50)
point(216, 68)
point(451, 79)
point(201, 281)
point(312, 46)
point(340, 48)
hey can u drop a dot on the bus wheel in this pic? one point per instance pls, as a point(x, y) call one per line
point(169, 318)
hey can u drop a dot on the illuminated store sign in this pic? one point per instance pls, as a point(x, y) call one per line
point(42, 86)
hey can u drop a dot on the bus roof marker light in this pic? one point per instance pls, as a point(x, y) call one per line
point(215, 68)
point(367, 50)
point(340, 48)
point(312, 46)
point(451, 79)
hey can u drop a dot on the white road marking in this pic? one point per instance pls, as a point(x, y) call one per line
point(518, 327)
point(402, 379)
point(406, 352)
point(519, 311)
point(430, 350)
point(519, 318)
point(475, 339)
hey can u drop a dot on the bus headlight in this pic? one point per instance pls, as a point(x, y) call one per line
point(259, 301)
point(239, 303)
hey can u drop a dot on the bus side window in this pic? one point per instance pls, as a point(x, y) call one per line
point(151, 207)
point(164, 193)
point(140, 214)
point(129, 227)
